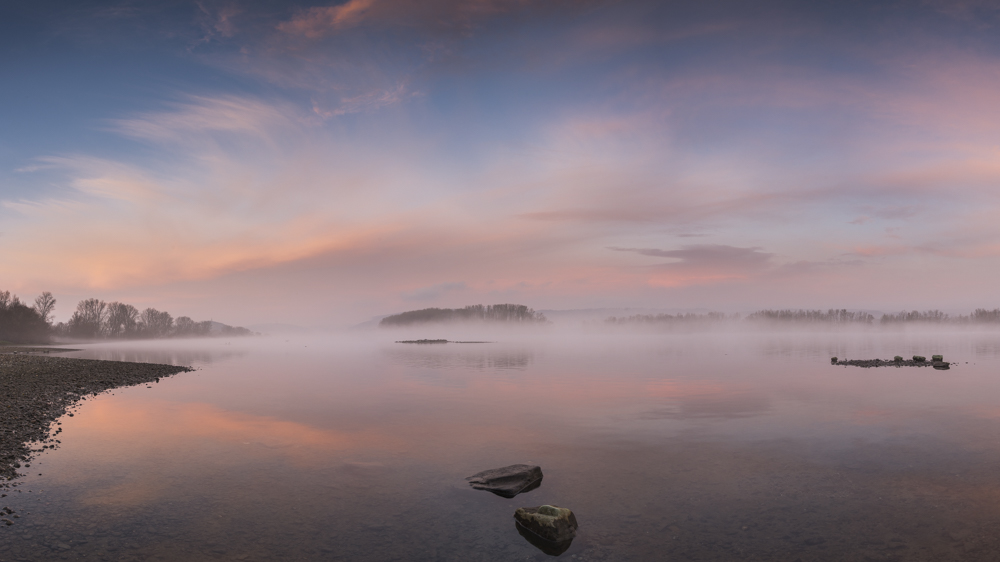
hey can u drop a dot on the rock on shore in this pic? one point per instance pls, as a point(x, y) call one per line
point(37, 390)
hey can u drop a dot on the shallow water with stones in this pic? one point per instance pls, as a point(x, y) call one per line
point(708, 446)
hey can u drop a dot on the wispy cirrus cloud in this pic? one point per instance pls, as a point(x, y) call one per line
point(709, 254)
point(202, 117)
point(432, 15)
point(365, 102)
point(705, 263)
point(318, 21)
point(509, 143)
point(239, 185)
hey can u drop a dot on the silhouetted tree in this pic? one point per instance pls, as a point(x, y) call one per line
point(983, 315)
point(235, 331)
point(20, 323)
point(156, 324)
point(932, 316)
point(670, 319)
point(842, 316)
point(88, 320)
point(122, 320)
point(44, 304)
point(493, 313)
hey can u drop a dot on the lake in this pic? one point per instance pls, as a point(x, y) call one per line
point(671, 446)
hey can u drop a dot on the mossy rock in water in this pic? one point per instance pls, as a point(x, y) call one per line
point(898, 359)
point(549, 522)
point(937, 357)
point(919, 358)
point(833, 360)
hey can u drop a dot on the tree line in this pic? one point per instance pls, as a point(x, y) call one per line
point(978, 316)
point(21, 323)
point(499, 313)
point(831, 316)
point(689, 317)
point(843, 316)
point(96, 319)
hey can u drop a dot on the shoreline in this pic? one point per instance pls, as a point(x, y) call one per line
point(39, 389)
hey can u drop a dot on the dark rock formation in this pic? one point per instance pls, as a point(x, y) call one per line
point(554, 526)
point(896, 362)
point(508, 481)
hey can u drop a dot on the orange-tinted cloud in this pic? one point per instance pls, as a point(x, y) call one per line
point(318, 21)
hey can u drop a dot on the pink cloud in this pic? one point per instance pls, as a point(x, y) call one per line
point(704, 264)
point(319, 21)
point(878, 251)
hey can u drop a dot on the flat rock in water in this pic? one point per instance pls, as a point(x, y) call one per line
point(868, 363)
point(508, 481)
point(554, 525)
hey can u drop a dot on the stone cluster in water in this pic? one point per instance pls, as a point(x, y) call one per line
point(918, 361)
point(549, 528)
point(39, 390)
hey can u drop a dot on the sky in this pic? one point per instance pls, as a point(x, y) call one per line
point(324, 163)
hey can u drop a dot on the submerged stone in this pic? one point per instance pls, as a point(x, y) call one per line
point(941, 365)
point(548, 522)
point(508, 481)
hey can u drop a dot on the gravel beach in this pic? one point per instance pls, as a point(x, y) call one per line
point(36, 390)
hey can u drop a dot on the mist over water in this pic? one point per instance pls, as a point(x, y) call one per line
point(714, 445)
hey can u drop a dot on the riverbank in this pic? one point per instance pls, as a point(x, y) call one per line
point(38, 390)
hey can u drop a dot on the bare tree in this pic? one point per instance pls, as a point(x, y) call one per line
point(155, 324)
point(88, 320)
point(8, 300)
point(44, 304)
point(184, 326)
point(121, 320)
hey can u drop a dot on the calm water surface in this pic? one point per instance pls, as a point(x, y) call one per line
point(667, 447)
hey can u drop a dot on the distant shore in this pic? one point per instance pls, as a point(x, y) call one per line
point(37, 390)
